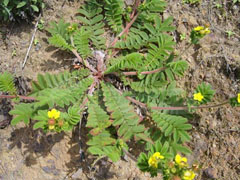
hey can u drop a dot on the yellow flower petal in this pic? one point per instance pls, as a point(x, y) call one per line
point(157, 156)
point(188, 175)
point(238, 98)
point(184, 159)
point(53, 114)
point(181, 161)
point(152, 162)
point(198, 28)
point(178, 159)
point(51, 127)
point(198, 97)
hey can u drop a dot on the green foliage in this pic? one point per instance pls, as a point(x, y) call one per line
point(93, 23)
point(7, 83)
point(104, 145)
point(58, 41)
point(61, 80)
point(23, 112)
point(235, 101)
point(236, 1)
point(81, 41)
point(206, 91)
point(172, 126)
point(10, 10)
point(97, 119)
point(59, 29)
point(142, 59)
point(113, 14)
point(122, 113)
point(149, 33)
point(131, 61)
point(192, 1)
point(143, 158)
point(61, 90)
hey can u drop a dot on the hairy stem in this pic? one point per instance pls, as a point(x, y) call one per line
point(143, 105)
point(144, 72)
point(90, 91)
point(124, 30)
point(15, 96)
point(86, 63)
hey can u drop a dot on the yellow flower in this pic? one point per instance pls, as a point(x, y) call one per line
point(188, 175)
point(181, 161)
point(152, 162)
point(205, 31)
point(198, 28)
point(154, 159)
point(198, 97)
point(53, 114)
point(157, 156)
point(51, 127)
point(238, 98)
point(202, 30)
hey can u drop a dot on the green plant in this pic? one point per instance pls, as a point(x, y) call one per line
point(41, 24)
point(192, 1)
point(236, 1)
point(182, 36)
point(229, 33)
point(141, 56)
point(10, 10)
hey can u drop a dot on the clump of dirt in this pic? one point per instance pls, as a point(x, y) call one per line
point(27, 154)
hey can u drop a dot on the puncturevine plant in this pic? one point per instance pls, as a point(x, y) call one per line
point(116, 43)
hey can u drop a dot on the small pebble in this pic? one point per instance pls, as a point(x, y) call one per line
point(211, 173)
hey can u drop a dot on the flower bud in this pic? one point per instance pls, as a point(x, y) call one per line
point(51, 121)
point(173, 170)
point(176, 178)
point(60, 123)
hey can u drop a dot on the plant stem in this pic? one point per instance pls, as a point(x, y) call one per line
point(91, 89)
point(21, 97)
point(144, 72)
point(143, 105)
point(185, 50)
point(83, 61)
point(124, 30)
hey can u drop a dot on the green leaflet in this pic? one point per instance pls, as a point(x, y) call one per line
point(92, 21)
point(130, 61)
point(62, 97)
point(113, 14)
point(104, 145)
point(172, 125)
point(23, 112)
point(97, 118)
point(7, 83)
point(58, 41)
point(60, 29)
point(62, 80)
point(81, 42)
point(122, 113)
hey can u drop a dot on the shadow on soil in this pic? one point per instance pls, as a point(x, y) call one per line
point(81, 160)
point(34, 142)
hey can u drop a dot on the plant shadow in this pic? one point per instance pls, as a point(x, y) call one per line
point(81, 160)
point(33, 143)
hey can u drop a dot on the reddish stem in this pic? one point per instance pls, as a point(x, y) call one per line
point(124, 30)
point(84, 62)
point(14, 96)
point(135, 8)
point(91, 89)
point(144, 72)
point(143, 105)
